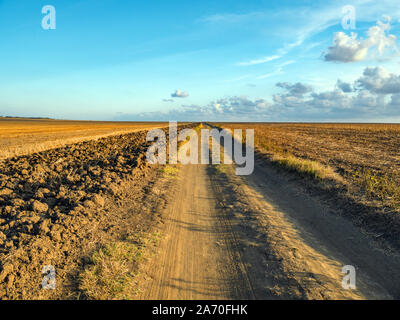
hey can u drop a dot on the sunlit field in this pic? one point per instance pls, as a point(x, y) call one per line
point(25, 136)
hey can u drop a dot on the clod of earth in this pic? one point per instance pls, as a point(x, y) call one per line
point(39, 206)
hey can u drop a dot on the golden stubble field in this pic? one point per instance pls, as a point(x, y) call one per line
point(20, 136)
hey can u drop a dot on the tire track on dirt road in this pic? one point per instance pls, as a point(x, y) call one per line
point(198, 258)
point(333, 238)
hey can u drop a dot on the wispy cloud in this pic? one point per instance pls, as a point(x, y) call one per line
point(277, 71)
point(270, 74)
point(232, 18)
point(239, 78)
point(259, 61)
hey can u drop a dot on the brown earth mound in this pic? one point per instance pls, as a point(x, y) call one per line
point(52, 205)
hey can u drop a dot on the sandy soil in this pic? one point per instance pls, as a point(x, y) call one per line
point(198, 258)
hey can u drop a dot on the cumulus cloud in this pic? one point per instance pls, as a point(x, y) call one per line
point(243, 105)
point(347, 48)
point(293, 95)
point(344, 86)
point(393, 105)
point(298, 89)
point(368, 102)
point(374, 95)
point(287, 100)
point(179, 94)
point(237, 106)
point(377, 36)
point(225, 109)
point(330, 99)
point(378, 80)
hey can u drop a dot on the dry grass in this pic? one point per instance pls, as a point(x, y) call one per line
point(304, 167)
point(113, 269)
point(111, 274)
point(26, 136)
point(383, 188)
point(220, 168)
point(170, 171)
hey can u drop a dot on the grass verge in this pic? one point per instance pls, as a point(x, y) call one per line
point(277, 155)
point(308, 168)
point(113, 268)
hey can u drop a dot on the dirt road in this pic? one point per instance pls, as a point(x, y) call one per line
point(197, 258)
point(260, 237)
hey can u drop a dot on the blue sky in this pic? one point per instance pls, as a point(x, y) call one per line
point(200, 60)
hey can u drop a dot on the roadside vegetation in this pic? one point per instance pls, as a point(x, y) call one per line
point(169, 171)
point(305, 167)
point(113, 269)
point(381, 187)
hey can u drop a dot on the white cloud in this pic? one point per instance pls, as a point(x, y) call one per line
point(377, 36)
point(240, 105)
point(179, 94)
point(287, 101)
point(374, 95)
point(293, 96)
point(232, 108)
point(366, 101)
point(346, 48)
point(331, 99)
point(350, 49)
point(298, 89)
